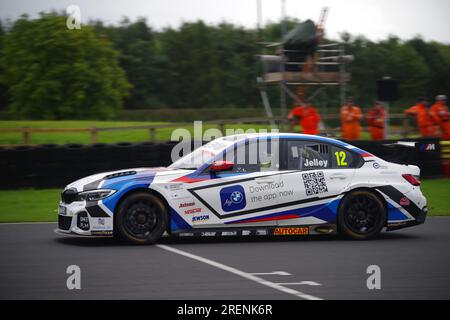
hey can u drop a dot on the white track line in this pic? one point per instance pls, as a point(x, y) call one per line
point(276, 273)
point(240, 273)
point(9, 223)
point(309, 283)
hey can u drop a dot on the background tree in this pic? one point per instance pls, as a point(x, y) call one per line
point(56, 73)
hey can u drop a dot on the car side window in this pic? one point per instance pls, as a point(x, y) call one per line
point(343, 158)
point(252, 156)
point(307, 155)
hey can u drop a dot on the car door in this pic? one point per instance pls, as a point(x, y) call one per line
point(318, 173)
point(244, 192)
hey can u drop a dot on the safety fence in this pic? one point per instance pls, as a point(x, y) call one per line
point(47, 166)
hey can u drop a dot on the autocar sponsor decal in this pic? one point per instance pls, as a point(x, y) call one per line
point(314, 183)
point(232, 198)
point(291, 231)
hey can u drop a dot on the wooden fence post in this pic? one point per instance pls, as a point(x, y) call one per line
point(153, 135)
point(94, 135)
point(222, 128)
point(26, 135)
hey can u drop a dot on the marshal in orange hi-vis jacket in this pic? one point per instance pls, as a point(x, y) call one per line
point(308, 118)
point(424, 118)
point(350, 121)
point(439, 112)
point(376, 117)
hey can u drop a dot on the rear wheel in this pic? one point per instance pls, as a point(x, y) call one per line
point(141, 218)
point(362, 215)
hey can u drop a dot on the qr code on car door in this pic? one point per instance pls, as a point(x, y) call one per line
point(314, 183)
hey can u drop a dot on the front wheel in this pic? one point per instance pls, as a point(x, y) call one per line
point(141, 218)
point(362, 215)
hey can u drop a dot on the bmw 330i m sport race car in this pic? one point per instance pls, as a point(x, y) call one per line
point(249, 184)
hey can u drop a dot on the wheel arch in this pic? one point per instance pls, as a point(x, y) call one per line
point(149, 191)
point(374, 191)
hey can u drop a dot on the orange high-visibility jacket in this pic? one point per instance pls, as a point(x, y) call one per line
point(350, 118)
point(376, 119)
point(424, 119)
point(308, 118)
point(439, 112)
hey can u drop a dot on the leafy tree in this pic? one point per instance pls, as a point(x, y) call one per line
point(56, 73)
point(3, 88)
point(139, 57)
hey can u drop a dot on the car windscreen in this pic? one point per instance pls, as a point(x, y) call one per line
point(198, 157)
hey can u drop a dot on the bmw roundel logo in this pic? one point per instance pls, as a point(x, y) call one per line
point(232, 198)
point(236, 197)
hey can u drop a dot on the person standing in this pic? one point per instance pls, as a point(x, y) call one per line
point(307, 115)
point(439, 112)
point(350, 120)
point(424, 119)
point(376, 117)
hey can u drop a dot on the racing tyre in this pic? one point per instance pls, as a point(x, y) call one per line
point(361, 216)
point(141, 218)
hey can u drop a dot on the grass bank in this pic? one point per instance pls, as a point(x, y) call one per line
point(40, 205)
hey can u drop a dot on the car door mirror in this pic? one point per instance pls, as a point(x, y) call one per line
point(221, 166)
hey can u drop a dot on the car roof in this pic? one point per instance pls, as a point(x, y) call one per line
point(281, 135)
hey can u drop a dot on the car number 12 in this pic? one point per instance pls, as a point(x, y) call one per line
point(340, 158)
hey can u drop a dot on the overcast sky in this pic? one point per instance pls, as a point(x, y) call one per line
point(374, 19)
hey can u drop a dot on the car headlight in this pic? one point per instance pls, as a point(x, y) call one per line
point(95, 195)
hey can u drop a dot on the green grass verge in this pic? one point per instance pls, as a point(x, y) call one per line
point(40, 205)
point(105, 137)
point(140, 135)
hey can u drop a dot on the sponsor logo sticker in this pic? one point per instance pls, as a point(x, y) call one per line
point(208, 234)
point(404, 201)
point(200, 218)
point(186, 204)
point(291, 231)
point(229, 233)
point(232, 198)
point(261, 232)
point(191, 211)
point(102, 233)
point(62, 210)
point(427, 147)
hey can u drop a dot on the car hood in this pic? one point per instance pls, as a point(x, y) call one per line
point(96, 180)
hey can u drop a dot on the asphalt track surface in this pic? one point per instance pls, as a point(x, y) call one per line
point(414, 262)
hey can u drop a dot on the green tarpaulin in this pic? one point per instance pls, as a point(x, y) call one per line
point(301, 38)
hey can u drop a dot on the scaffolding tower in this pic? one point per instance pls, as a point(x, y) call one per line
point(324, 68)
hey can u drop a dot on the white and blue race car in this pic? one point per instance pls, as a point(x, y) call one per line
point(250, 184)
